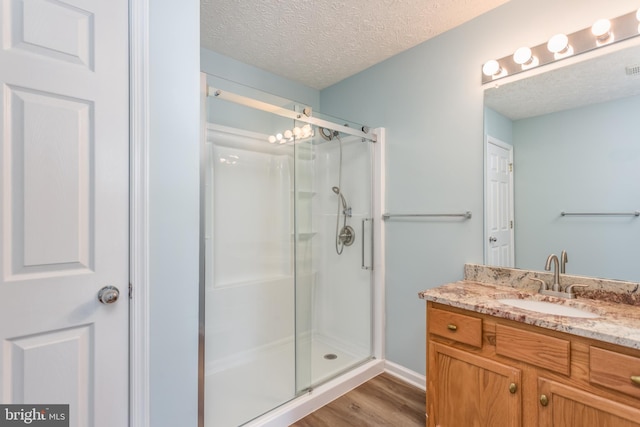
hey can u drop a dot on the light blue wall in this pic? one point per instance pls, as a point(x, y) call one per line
point(431, 101)
point(498, 126)
point(582, 160)
point(174, 90)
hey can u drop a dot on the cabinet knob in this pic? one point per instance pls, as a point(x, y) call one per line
point(452, 327)
point(544, 400)
point(635, 379)
point(513, 388)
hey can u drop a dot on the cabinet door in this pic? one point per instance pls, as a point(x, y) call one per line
point(565, 406)
point(471, 391)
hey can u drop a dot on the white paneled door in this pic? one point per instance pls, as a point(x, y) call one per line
point(499, 204)
point(64, 148)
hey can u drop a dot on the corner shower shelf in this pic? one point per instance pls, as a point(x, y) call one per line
point(308, 235)
point(304, 193)
point(231, 283)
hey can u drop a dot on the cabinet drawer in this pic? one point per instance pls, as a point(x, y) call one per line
point(457, 327)
point(614, 370)
point(540, 350)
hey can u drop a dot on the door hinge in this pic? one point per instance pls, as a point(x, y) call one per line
point(511, 224)
point(510, 167)
point(130, 291)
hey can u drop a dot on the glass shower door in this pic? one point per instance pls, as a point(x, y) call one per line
point(333, 255)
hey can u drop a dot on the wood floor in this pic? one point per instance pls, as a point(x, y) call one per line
point(382, 401)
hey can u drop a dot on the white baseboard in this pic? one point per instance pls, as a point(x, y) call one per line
point(406, 375)
point(320, 396)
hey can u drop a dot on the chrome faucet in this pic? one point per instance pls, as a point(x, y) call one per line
point(556, 272)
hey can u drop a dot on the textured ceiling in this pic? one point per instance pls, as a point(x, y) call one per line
point(599, 79)
point(321, 42)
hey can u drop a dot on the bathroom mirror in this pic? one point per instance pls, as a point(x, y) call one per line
point(575, 132)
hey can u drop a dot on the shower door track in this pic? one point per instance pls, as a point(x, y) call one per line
point(284, 112)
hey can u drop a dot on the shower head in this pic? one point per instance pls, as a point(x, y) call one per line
point(339, 193)
point(328, 134)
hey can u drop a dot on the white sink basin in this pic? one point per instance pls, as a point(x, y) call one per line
point(548, 308)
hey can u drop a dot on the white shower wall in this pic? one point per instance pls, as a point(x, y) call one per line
point(249, 298)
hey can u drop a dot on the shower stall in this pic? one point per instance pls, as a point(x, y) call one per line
point(291, 286)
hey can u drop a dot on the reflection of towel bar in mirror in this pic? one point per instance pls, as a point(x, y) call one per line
point(635, 213)
point(465, 215)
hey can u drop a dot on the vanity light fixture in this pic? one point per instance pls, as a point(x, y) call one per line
point(601, 29)
point(602, 33)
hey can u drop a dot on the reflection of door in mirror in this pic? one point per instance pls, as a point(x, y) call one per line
point(499, 203)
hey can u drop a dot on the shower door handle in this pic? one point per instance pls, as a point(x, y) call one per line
point(364, 220)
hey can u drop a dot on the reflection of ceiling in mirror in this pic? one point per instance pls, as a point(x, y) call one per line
point(600, 79)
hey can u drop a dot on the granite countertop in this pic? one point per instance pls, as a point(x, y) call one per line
point(617, 323)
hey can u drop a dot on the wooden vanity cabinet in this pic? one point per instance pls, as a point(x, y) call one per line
point(473, 390)
point(566, 406)
point(484, 371)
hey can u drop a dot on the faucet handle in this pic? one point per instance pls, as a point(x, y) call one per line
point(543, 284)
point(563, 262)
point(569, 288)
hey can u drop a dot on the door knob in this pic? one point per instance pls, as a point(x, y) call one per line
point(492, 239)
point(108, 295)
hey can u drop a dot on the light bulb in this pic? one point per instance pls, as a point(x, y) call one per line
point(271, 139)
point(638, 15)
point(279, 136)
point(306, 130)
point(288, 134)
point(297, 132)
point(558, 43)
point(522, 55)
point(559, 46)
point(601, 29)
point(491, 68)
